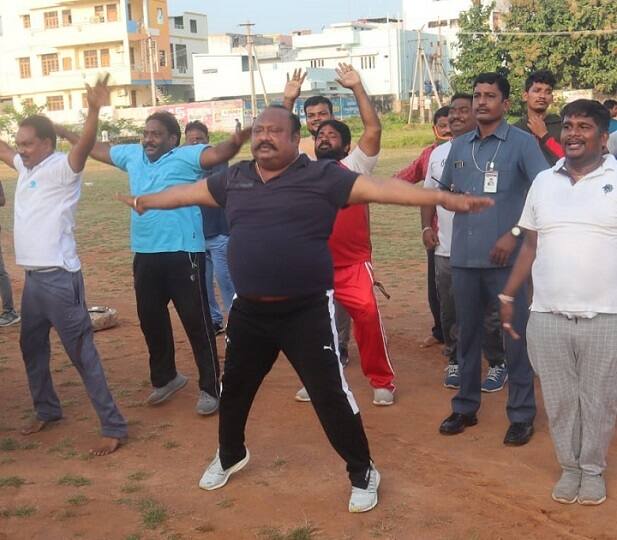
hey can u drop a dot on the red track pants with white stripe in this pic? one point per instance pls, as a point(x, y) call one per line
point(353, 288)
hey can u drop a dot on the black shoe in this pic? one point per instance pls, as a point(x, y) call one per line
point(518, 433)
point(456, 423)
point(218, 329)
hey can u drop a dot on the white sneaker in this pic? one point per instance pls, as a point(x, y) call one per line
point(302, 395)
point(382, 397)
point(216, 477)
point(363, 500)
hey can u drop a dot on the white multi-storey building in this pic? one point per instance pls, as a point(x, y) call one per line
point(442, 17)
point(49, 49)
point(380, 49)
point(188, 35)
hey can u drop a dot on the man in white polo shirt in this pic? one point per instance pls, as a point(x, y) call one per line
point(46, 198)
point(570, 219)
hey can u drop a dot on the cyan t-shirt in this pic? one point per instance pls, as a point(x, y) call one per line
point(159, 231)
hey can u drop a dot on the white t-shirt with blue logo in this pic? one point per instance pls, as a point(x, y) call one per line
point(46, 200)
point(159, 231)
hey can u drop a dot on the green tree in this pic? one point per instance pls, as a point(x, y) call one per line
point(478, 50)
point(10, 116)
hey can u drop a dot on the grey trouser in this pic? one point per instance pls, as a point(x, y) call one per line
point(576, 360)
point(57, 299)
point(343, 325)
point(6, 294)
point(492, 343)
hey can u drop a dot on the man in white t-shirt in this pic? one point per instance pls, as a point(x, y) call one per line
point(570, 223)
point(46, 197)
point(460, 120)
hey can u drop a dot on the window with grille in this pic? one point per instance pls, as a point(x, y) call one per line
point(173, 60)
point(112, 12)
point(67, 63)
point(50, 19)
point(99, 13)
point(181, 58)
point(55, 103)
point(67, 18)
point(25, 19)
point(179, 23)
point(193, 24)
point(162, 58)
point(367, 62)
point(49, 63)
point(104, 57)
point(24, 68)
point(91, 59)
point(317, 62)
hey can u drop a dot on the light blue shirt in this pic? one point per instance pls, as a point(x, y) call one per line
point(159, 231)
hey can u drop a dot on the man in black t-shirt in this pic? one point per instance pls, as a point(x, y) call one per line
point(281, 207)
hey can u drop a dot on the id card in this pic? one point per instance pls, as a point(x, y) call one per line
point(490, 182)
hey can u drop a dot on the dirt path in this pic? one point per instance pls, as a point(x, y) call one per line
point(464, 487)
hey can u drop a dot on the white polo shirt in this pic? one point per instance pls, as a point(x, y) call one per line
point(436, 163)
point(46, 200)
point(575, 270)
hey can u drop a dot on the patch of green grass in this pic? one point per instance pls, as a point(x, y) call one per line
point(304, 532)
point(169, 445)
point(78, 500)
point(64, 449)
point(138, 476)
point(11, 481)
point(30, 445)
point(7, 461)
point(74, 480)
point(8, 444)
point(67, 514)
point(130, 488)
point(133, 537)
point(153, 513)
point(19, 511)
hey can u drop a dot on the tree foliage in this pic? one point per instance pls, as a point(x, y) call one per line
point(578, 61)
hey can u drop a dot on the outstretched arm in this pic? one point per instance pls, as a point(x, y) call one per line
point(173, 197)
point(100, 151)
point(370, 140)
point(293, 88)
point(97, 96)
point(2, 197)
point(223, 152)
point(7, 154)
point(367, 189)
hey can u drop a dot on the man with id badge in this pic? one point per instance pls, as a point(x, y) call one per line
point(501, 161)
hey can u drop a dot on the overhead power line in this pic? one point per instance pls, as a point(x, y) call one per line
point(557, 33)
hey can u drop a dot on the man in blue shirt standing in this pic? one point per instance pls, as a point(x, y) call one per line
point(216, 233)
point(169, 252)
point(499, 161)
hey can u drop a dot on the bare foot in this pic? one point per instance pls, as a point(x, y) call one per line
point(428, 342)
point(108, 446)
point(35, 425)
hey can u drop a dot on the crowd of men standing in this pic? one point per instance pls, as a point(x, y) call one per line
point(509, 207)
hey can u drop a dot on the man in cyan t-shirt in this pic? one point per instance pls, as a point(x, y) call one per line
point(281, 207)
point(169, 252)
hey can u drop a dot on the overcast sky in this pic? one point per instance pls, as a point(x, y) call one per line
point(283, 16)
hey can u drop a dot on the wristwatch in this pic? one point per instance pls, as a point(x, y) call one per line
point(516, 231)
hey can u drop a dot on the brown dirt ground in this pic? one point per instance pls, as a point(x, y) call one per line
point(464, 487)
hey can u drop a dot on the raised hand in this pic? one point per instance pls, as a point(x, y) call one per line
point(465, 203)
point(98, 95)
point(348, 77)
point(240, 137)
point(294, 85)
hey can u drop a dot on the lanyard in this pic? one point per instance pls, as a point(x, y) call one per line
point(490, 165)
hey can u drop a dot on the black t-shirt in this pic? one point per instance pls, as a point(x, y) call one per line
point(279, 229)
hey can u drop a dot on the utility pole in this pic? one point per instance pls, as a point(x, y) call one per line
point(150, 45)
point(249, 47)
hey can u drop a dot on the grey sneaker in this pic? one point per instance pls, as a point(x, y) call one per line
point(592, 490)
point(216, 477)
point(363, 500)
point(302, 395)
point(382, 397)
point(9, 317)
point(165, 392)
point(566, 490)
point(206, 404)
